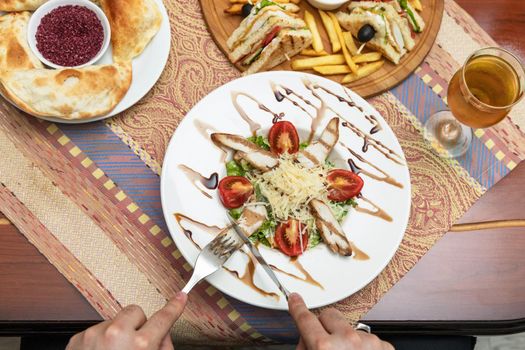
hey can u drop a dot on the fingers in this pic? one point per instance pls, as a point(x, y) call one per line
point(307, 323)
point(156, 328)
point(333, 321)
point(131, 316)
point(166, 344)
point(88, 337)
point(301, 345)
point(387, 346)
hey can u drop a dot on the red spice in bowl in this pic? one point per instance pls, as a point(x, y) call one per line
point(70, 35)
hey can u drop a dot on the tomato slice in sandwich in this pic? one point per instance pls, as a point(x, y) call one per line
point(283, 137)
point(343, 185)
point(234, 191)
point(272, 34)
point(291, 237)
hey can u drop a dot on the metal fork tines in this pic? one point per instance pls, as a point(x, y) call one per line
point(213, 256)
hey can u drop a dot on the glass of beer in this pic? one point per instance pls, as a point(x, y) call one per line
point(480, 94)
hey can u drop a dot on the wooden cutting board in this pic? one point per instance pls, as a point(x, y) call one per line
point(221, 25)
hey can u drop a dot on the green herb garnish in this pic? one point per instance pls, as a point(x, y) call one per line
point(303, 145)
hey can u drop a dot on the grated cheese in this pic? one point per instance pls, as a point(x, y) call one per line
point(290, 187)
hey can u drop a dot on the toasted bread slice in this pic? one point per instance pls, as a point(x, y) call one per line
point(288, 43)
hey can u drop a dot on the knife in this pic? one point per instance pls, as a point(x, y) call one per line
point(258, 256)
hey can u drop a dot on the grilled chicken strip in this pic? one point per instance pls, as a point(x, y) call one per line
point(251, 219)
point(257, 157)
point(330, 229)
point(317, 152)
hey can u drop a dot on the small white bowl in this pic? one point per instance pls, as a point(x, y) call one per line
point(327, 4)
point(49, 6)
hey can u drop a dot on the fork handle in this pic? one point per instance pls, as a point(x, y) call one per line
point(195, 278)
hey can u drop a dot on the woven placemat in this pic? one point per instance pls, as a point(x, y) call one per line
point(88, 196)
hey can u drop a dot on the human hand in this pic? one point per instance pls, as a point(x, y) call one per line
point(330, 330)
point(131, 330)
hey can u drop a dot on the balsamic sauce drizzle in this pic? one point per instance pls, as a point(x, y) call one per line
point(211, 182)
point(179, 217)
point(253, 125)
point(206, 130)
point(279, 96)
point(376, 210)
point(370, 141)
point(385, 178)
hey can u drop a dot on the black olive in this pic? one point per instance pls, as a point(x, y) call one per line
point(366, 33)
point(246, 9)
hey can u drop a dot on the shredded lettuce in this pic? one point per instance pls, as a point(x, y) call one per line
point(260, 141)
point(236, 213)
point(266, 230)
point(234, 169)
point(314, 239)
point(408, 10)
point(265, 3)
point(340, 209)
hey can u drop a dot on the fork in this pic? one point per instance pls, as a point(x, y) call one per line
point(213, 256)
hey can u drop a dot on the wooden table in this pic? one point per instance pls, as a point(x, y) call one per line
point(470, 283)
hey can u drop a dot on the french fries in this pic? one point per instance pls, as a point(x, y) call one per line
point(367, 57)
point(333, 69)
point(277, 1)
point(363, 71)
point(349, 42)
point(235, 9)
point(309, 63)
point(312, 52)
point(416, 4)
point(317, 43)
point(339, 33)
point(330, 30)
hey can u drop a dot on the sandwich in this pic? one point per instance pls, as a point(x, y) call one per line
point(406, 10)
point(393, 37)
point(269, 35)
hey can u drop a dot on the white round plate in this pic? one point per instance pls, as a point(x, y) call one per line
point(340, 276)
point(147, 69)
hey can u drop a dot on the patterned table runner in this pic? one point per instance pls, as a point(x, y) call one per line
point(88, 196)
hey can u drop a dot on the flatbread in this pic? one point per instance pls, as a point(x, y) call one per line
point(20, 5)
point(133, 24)
point(67, 93)
point(14, 50)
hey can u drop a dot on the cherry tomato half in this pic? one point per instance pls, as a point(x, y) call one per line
point(343, 185)
point(234, 191)
point(288, 237)
point(283, 137)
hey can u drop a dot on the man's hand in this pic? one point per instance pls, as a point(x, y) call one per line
point(131, 330)
point(330, 330)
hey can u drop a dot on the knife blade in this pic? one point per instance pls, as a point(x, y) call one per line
point(258, 256)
